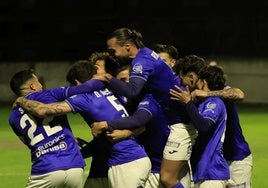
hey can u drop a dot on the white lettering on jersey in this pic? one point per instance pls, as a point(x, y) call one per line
point(154, 55)
point(101, 93)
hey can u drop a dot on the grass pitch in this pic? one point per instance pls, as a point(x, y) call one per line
point(15, 161)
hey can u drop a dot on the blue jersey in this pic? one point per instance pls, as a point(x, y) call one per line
point(157, 131)
point(235, 146)
point(102, 105)
point(207, 158)
point(159, 77)
point(52, 144)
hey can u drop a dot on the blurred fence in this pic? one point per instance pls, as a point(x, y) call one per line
point(248, 74)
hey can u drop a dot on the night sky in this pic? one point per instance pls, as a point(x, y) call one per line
point(47, 30)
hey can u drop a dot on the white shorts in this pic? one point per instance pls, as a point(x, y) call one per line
point(180, 142)
point(61, 178)
point(184, 176)
point(211, 184)
point(154, 181)
point(241, 172)
point(96, 182)
point(131, 174)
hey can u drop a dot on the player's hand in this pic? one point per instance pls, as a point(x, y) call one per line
point(98, 127)
point(197, 94)
point(17, 102)
point(102, 77)
point(81, 142)
point(117, 135)
point(180, 95)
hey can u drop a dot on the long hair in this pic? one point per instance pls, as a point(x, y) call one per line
point(123, 35)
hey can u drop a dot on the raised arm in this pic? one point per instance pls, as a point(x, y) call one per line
point(201, 124)
point(43, 110)
point(87, 87)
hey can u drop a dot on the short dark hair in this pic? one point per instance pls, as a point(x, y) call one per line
point(110, 63)
point(166, 48)
point(191, 63)
point(20, 78)
point(81, 70)
point(214, 75)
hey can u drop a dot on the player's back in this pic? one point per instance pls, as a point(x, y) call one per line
point(235, 146)
point(50, 140)
point(102, 105)
point(99, 105)
point(207, 160)
point(147, 65)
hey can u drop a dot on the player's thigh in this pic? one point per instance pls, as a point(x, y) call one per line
point(131, 174)
point(211, 184)
point(180, 142)
point(58, 179)
point(241, 172)
point(154, 181)
point(74, 177)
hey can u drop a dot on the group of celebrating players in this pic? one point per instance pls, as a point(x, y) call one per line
point(158, 121)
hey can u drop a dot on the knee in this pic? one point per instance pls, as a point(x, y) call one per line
point(167, 181)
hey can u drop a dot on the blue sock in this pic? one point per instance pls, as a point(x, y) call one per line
point(178, 185)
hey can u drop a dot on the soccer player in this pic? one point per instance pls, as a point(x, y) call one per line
point(150, 115)
point(209, 167)
point(236, 149)
point(167, 52)
point(56, 159)
point(128, 163)
point(151, 74)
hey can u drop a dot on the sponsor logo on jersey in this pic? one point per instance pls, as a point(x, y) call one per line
point(61, 146)
point(52, 145)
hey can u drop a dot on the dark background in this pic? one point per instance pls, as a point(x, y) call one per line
point(60, 30)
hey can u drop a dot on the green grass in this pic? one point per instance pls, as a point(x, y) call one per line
point(15, 158)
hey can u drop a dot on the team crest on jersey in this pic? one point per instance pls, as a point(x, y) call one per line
point(211, 106)
point(137, 68)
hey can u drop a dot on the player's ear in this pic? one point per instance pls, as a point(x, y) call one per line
point(127, 46)
point(77, 82)
point(32, 86)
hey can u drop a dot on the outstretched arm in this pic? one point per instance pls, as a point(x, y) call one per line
point(129, 90)
point(87, 87)
point(43, 110)
point(233, 94)
point(137, 120)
